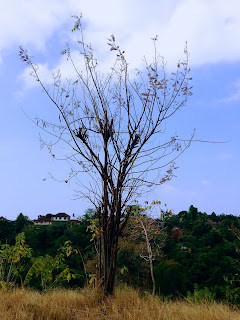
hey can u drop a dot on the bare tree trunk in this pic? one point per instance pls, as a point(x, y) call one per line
point(110, 249)
point(150, 256)
point(152, 275)
point(110, 264)
point(100, 246)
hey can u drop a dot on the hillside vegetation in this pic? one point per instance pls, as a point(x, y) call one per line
point(195, 256)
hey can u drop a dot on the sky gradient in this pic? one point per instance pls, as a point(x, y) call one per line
point(208, 176)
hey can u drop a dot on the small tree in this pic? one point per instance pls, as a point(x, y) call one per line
point(143, 226)
point(11, 261)
point(113, 131)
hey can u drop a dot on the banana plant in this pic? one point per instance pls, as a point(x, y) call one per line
point(50, 270)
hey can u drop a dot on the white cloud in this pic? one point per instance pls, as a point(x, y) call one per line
point(212, 28)
point(30, 82)
point(30, 21)
point(45, 72)
point(235, 96)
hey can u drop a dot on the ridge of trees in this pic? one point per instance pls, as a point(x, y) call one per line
point(203, 258)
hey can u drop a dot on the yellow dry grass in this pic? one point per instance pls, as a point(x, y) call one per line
point(86, 304)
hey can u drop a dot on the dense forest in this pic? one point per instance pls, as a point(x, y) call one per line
point(193, 254)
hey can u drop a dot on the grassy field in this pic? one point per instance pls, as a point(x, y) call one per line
point(86, 304)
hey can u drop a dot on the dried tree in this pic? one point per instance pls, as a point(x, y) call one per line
point(142, 225)
point(113, 131)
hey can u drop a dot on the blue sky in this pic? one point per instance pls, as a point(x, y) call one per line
point(208, 175)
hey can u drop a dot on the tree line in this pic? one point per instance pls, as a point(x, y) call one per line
point(193, 253)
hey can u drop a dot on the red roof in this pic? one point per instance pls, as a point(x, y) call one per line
point(61, 214)
point(3, 219)
point(43, 219)
point(75, 220)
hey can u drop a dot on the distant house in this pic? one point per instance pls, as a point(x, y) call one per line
point(61, 217)
point(42, 221)
point(3, 219)
point(45, 221)
point(75, 221)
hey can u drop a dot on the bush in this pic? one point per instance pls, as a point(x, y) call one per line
point(200, 295)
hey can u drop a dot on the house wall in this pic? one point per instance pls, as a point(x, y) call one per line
point(42, 223)
point(64, 219)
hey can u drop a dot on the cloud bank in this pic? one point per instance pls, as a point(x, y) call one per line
point(212, 28)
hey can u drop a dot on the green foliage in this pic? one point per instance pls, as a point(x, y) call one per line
point(124, 269)
point(51, 270)
point(171, 278)
point(7, 232)
point(47, 239)
point(88, 216)
point(93, 228)
point(3, 285)
point(11, 260)
point(208, 252)
point(200, 295)
point(20, 222)
point(232, 294)
point(132, 269)
point(203, 265)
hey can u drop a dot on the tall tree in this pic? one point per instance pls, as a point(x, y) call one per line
point(21, 221)
point(113, 131)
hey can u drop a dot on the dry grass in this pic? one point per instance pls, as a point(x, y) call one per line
point(86, 304)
